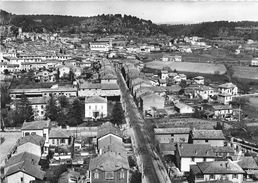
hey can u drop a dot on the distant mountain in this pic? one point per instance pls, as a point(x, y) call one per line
point(128, 25)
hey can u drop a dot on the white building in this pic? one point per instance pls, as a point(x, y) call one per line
point(254, 62)
point(100, 46)
point(228, 89)
point(95, 107)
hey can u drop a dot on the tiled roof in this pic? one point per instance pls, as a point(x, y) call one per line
point(248, 163)
point(109, 86)
point(28, 168)
point(36, 125)
point(112, 144)
point(95, 99)
point(25, 156)
point(227, 85)
point(108, 128)
point(171, 130)
point(220, 167)
point(59, 133)
point(35, 139)
point(195, 150)
point(207, 134)
point(223, 149)
point(109, 161)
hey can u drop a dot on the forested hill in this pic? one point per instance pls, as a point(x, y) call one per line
point(128, 25)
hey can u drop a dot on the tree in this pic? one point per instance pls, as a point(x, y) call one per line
point(76, 113)
point(63, 101)
point(52, 109)
point(6, 72)
point(117, 114)
point(25, 110)
point(5, 98)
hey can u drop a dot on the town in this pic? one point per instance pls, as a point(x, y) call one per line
point(110, 107)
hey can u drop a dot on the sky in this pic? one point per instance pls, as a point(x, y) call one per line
point(158, 11)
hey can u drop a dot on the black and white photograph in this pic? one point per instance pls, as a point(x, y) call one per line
point(129, 91)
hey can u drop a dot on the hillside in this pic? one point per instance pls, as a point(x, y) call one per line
point(129, 25)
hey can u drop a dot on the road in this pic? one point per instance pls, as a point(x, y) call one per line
point(151, 165)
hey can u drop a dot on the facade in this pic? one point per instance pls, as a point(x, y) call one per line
point(109, 167)
point(254, 62)
point(147, 102)
point(225, 98)
point(38, 105)
point(183, 108)
point(211, 137)
point(41, 128)
point(199, 80)
point(95, 107)
point(59, 137)
point(228, 89)
point(190, 154)
point(100, 46)
point(172, 135)
point(217, 170)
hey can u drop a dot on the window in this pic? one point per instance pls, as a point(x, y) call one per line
point(53, 141)
point(96, 107)
point(44, 135)
point(96, 175)
point(206, 140)
point(62, 141)
point(109, 175)
point(89, 107)
point(234, 176)
point(33, 133)
point(192, 159)
point(21, 179)
point(212, 176)
point(27, 134)
point(204, 159)
point(122, 174)
point(199, 176)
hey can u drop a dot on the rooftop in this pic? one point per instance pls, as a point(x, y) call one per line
point(108, 128)
point(95, 99)
point(59, 133)
point(36, 125)
point(195, 150)
point(207, 134)
point(109, 161)
point(171, 130)
point(35, 139)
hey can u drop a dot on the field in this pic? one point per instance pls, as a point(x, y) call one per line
point(243, 72)
point(191, 67)
point(10, 140)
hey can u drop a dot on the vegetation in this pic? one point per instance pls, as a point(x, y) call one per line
point(117, 114)
point(52, 109)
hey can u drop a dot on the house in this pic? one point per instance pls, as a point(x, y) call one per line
point(59, 137)
point(164, 74)
point(109, 167)
point(211, 137)
point(102, 46)
point(171, 58)
point(183, 108)
point(217, 170)
point(250, 167)
point(32, 144)
point(40, 127)
point(190, 154)
point(222, 111)
point(162, 82)
point(95, 107)
point(23, 168)
point(63, 70)
point(168, 135)
point(38, 105)
point(151, 100)
point(198, 80)
point(223, 151)
point(225, 98)
point(228, 89)
point(254, 62)
point(204, 92)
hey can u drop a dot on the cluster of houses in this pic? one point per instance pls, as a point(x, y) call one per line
point(205, 155)
point(40, 139)
point(172, 93)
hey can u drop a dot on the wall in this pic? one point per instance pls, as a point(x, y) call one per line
point(186, 162)
point(95, 107)
point(211, 142)
point(16, 178)
point(116, 179)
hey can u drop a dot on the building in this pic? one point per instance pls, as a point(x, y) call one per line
point(190, 154)
point(33, 144)
point(254, 62)
point(222, 111)
point(217, 170)
point(171, 135)
point(59, 137)
point(95, 107)
point(183, 108)
point(109, 167)
point(23, 168)
point(225, 98)
point(148, 101)
point(250, 167)
point(204, 92)
point(228, 89)
point(211, 137)
point(41, 128)
point(198, 80)
point(164, 74)
point(102, 46)
point(38, 105)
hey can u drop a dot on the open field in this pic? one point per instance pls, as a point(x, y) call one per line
point(205, 68)
point(245, 72)
point(10, 140)
point(251, 109)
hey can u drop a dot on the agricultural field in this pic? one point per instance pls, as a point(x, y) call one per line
point(191, 67)
point(245, 72)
